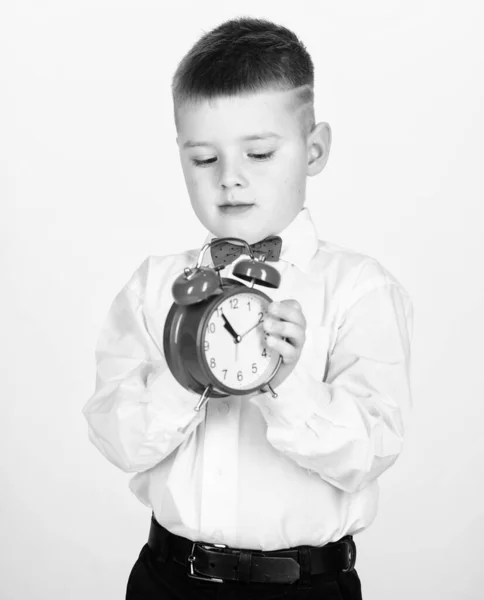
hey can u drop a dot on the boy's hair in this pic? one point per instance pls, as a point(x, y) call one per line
point(247, 55)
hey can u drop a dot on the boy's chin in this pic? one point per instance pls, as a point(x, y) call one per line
point(248, 235)
point(248, 230)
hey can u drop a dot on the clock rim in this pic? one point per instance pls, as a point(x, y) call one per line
point(240, 288)
point(175, 322)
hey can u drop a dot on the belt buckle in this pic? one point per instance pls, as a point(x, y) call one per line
point(191, 560)
point(352, 554)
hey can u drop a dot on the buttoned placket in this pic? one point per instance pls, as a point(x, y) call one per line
point(220, 478)
point(219, 500)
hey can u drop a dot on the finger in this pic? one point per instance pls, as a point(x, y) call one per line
point(288, 310)
point(288, 352)
point(294, 333)
point(292, 302)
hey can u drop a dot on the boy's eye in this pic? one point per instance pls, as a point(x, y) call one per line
point(199, 163)
point(258, 157)
point(265, 156)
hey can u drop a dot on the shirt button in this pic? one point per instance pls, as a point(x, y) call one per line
point(223, 408)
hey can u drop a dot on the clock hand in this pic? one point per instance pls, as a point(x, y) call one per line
point(253, 327)
point(231, 330)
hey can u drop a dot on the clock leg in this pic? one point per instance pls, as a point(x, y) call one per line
point(269, 389)
point(203, 398)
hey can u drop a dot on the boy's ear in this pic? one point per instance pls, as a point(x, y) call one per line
point(319, 143)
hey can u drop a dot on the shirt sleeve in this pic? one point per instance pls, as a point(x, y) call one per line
point(139, 413)
point(349, 428)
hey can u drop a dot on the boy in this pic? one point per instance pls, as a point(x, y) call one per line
point(272, 488)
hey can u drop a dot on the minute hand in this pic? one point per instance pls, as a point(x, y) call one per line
point(253, 327)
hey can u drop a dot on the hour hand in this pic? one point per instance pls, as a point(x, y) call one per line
point(231, 330)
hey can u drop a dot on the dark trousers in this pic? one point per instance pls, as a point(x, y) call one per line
point(153, 580)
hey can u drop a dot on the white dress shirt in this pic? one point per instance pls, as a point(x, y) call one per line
point(261, 472)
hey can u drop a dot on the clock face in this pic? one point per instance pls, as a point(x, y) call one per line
point(234, 342)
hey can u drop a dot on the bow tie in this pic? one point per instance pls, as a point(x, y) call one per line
point(224, 253)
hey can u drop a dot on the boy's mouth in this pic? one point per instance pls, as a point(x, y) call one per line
point(235, 209)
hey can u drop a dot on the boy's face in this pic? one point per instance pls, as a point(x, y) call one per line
point(245, 162)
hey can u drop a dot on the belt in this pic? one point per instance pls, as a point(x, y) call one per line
point(219, 563)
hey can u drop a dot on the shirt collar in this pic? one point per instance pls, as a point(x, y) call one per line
point(299, 241)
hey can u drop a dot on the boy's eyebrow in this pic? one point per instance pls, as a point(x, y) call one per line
point(248, 138)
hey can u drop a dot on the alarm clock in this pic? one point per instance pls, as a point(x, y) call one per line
point(213, 338)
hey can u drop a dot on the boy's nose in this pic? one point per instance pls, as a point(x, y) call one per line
point(231, 175)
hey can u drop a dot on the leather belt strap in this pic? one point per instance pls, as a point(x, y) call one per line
point(216, 562)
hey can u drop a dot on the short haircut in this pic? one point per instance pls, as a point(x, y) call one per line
point(247, 55)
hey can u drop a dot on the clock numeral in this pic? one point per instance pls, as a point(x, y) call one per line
point(248, 304)
point(264, 352)
point(254, 367)
point(234, 303)
point(240, 376)
point(206, 345)
point(224, 371)
point(261, 317)
point(219, 312)
point(213, 364)
point(211, 327)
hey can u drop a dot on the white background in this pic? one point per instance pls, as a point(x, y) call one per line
point(90, 185)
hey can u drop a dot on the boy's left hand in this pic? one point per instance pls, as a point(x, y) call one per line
point(285, 320)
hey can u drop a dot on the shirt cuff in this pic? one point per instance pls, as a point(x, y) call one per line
point(174, 404)
point(299, 398)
